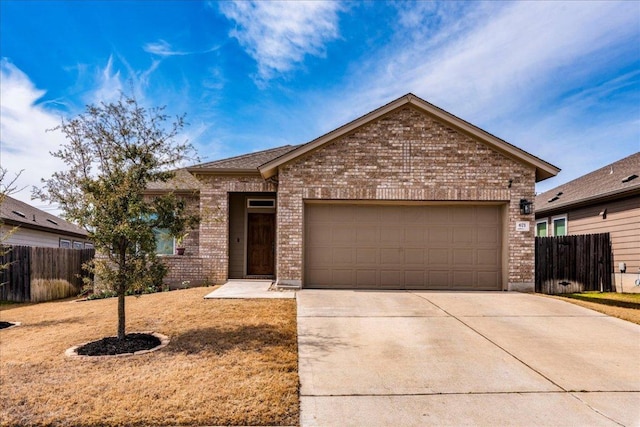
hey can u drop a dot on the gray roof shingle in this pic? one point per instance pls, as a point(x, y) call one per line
point(607, 181)
point(17, 213)
point(246, 161)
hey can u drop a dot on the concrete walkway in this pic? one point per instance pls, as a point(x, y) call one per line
point(249, 289)
point(453, 359)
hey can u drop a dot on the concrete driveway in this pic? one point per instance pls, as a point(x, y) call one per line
point(444, 358)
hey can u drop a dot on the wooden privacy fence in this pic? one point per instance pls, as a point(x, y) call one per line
point(42, 274)
point(578, 263)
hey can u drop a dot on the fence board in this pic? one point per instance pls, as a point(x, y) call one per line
point(576, 263)
point(41, 274)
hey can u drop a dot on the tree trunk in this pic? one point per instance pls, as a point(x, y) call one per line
point(120, 315)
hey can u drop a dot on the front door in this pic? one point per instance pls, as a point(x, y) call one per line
point(260, 244)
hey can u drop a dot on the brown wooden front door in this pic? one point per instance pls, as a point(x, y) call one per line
point(260, 244)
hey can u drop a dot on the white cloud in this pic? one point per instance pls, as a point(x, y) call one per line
point(279, 34)
point(502, 55)
point(537, 74)
point(24, 142)
point(164, 48)
point(109, 85)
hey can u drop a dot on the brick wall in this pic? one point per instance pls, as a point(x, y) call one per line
point(404, 155)
point(184, 268)
point(214, 221)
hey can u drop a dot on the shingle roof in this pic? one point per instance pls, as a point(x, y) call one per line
point(607, 181)
point(249, 161)
point(183, 181)
point(17, 213)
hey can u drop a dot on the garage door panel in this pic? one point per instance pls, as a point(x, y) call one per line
point(390, 278)
point(388, 216)
point(414, 256)
point(366, 235)
point(487, 279)
point(438, 256)
point(464, 235)
point(439, 235)
point(439, 279)
point(367, 278)
point(342, 277)
point(487, 257)
point(393, 256)
point(414, 216)
point(366, 256)
point(342, 235)
point(403, 247)
point(488, 216)
point(415, 235)
point(342, 256)
point(463, 257)
point(463, 216)
point(391, 235)
point(488, 235)
point(463, 279)
point(437, 215)
point(414, 279)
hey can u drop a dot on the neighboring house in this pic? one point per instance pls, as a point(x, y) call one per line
point(605, 200)
point(33, 227)
point(407, 196)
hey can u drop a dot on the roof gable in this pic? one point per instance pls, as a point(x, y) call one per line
point(613, 180)
point(18, 213)
point(544, 170)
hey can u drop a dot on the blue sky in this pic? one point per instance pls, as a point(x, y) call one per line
point(560, 80)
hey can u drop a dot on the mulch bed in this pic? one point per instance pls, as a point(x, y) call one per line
point(4, 325)
point(112, 345)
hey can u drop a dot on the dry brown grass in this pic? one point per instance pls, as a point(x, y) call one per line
point(230, 362)
point(601, 305)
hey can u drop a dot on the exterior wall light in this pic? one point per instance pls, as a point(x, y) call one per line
point(525, 207)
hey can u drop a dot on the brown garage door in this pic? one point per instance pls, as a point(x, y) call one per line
point(403, 247)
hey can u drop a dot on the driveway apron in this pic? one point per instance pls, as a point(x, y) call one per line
point(442, 358)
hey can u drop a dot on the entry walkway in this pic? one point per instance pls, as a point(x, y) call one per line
point(459, 359)
point(249, 289)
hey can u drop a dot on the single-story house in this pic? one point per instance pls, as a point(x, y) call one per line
point(606, 200)
point(34, 227)
point(407, 196)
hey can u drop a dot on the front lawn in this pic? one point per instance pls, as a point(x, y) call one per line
point(229, 362)
point(623, 306)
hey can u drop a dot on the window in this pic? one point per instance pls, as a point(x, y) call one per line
point(560, 226)
point(88, 245)
point(261, 203)
point(65, 243)
point(541, 228)
point(165, 244)
point(77, 245)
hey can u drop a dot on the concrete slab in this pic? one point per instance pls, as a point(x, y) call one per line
point(531, 409)
point(348, 303)
point(249, 289)
point(446, 358)
point(405, 355)
point(500, 304)
point(624, 408)
point(586, 353)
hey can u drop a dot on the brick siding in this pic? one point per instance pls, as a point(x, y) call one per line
point(404, 155)
point(214, 221)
